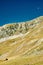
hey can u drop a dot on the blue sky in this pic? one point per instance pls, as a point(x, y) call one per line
point(19, 10)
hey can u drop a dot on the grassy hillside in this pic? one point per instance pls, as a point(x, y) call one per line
point(22, 47)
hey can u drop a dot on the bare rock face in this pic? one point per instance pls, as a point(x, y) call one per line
point(17, 28)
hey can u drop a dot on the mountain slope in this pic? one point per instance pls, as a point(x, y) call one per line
point(23, 43)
